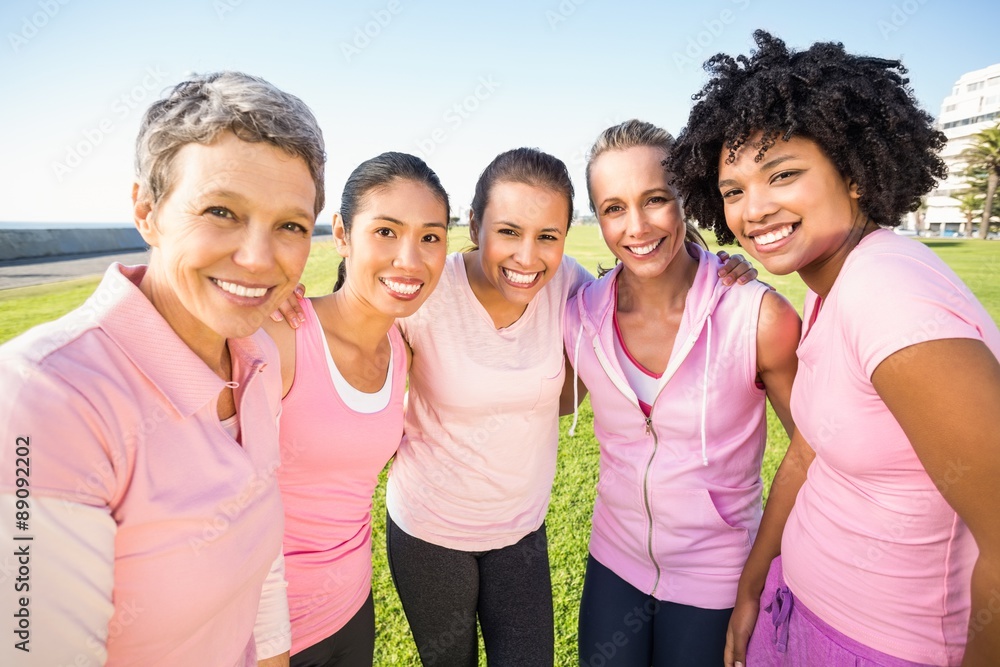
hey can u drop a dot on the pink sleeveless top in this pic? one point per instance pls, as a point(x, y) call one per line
point(331, 457)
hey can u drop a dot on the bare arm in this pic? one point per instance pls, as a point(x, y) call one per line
point(284, 339)
point(956, 427)
point(566, 399)
point(778, 329)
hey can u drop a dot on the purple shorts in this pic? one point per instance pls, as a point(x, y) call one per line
point(789, 635)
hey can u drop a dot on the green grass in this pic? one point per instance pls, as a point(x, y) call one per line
point(568, 522)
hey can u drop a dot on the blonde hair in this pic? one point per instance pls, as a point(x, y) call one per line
point(631, 134)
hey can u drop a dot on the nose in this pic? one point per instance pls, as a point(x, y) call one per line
point(526, 253)
point(256, 251)
point(408, 255)
point(757, 204)
point(635, 222)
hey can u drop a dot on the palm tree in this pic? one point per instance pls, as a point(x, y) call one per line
point(984, 153)
point(970, 203)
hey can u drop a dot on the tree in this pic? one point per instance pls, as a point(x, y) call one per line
point(984, 154)
point(977, 178)
point(970, 203)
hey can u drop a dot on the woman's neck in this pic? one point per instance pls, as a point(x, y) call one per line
point(349, 319)
point(666, 291)
point(206, 343)
point(821, 275)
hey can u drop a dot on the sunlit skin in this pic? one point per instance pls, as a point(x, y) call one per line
point(642, 223)
point(229, 240)
point(395, 254)
point(520, 245)
point(793, 210)
point(796, 195)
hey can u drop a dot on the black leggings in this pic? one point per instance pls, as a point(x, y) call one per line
point(351, 646)
point(443, 590)
point(620, 625)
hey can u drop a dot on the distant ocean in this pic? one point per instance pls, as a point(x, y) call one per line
point(65, 225)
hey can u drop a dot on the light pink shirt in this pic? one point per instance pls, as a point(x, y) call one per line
point(156, 529)
point(475, 468)
point(871, 546)
point(331, 456)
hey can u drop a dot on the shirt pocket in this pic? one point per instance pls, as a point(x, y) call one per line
point(689, 534)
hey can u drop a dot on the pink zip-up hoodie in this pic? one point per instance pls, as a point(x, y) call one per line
point(679, 497)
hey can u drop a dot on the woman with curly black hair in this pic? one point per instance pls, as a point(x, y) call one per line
point(889, 553)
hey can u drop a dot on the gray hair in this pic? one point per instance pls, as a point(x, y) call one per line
point(197, 110)
point(631, 134)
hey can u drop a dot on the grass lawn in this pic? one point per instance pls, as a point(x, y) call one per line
point(978, 264)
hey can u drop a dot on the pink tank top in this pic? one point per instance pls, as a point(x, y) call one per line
point(331, 457)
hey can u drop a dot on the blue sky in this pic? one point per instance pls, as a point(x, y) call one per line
point(457, 82)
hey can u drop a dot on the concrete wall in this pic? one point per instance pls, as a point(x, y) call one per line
point(51, 243)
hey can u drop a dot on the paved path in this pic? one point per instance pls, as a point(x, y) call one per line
point(41, 270)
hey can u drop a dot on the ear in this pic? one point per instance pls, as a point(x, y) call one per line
point(340, 236)
point(473, 228)
point(854, 190)
point(142, 215)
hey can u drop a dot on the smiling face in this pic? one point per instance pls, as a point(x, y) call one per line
point(793, 210)
point(640, 215)
point(229, 239)
point(396, 247)
point(521, 239)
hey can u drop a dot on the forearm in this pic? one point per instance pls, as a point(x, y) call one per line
point(984, 619)
point(276, 661)
point(788, 480)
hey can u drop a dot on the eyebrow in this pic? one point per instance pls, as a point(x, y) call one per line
point(644, 193)
point(770, 164)
point(389, 218)
point(241, 199)
point(521, 229)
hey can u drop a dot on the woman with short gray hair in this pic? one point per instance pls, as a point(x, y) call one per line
point(140, 430)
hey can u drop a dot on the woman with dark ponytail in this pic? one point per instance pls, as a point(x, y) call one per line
point(344, 369)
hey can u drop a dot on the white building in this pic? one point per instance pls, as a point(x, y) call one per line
point(973, 106)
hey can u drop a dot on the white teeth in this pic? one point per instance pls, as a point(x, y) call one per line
point(401, 288)
point(241, 290)
point(771, 237)
point(520, 278)
point(645, 249)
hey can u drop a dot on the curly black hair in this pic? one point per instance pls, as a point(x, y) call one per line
point(859, 110)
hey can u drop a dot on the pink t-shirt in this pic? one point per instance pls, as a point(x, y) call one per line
point(475, 468)
point(871, 546)
point(154, 529)
point(331, 457)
